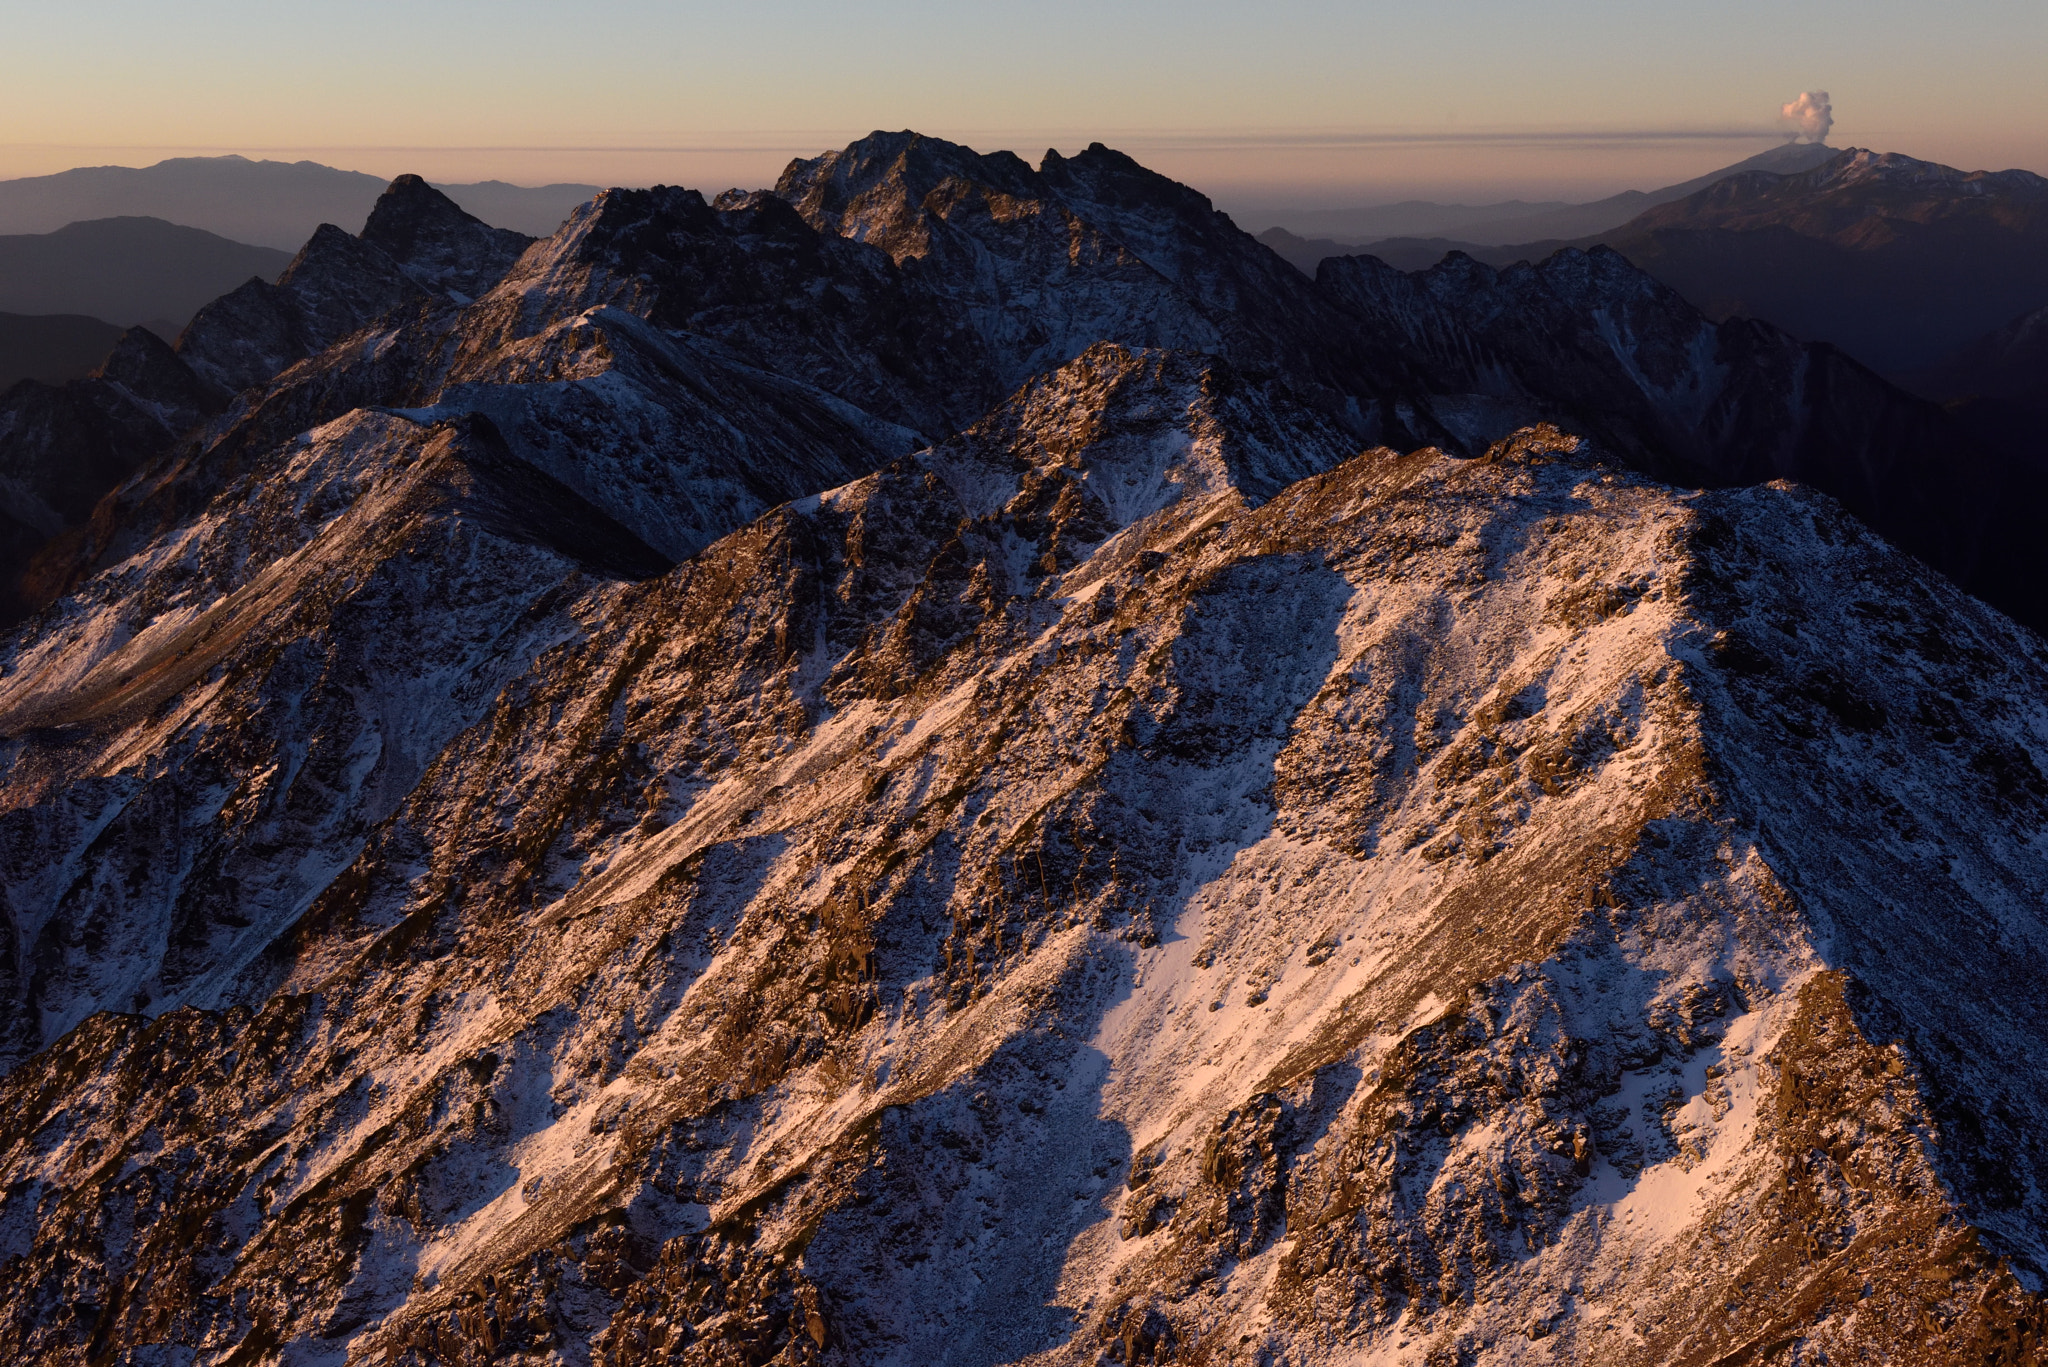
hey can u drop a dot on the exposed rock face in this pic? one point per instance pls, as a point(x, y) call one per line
point(677, 434)
point(744, 301)
point(1045, 262)
point(334, 544)
point(557, 829)
point(920, 282)
point(416, 249)
point(1587, 340)
point(446, 250)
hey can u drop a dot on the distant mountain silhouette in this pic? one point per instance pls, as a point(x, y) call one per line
point(52, 347)
point(1305, 253)
point(1897, 261)
point(1510, 221)
point(1402, 253)
point(1601, 215)
point(1420, 253)
point(2010, 362)
point(271, 203)
point(127, 270)
point(1363, 223)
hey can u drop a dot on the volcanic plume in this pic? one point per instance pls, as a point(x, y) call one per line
point(1810, 116)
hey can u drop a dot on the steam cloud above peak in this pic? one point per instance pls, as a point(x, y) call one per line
point(1810, 116)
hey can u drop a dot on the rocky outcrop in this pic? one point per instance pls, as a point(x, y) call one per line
point(336, 285)
point(445, 250)
point(1587, 340)
point(1039, 264)
point(919, 282)
point(679, 368)
point(417, 250)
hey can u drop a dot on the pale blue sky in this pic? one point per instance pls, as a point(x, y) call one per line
point(1302, 100)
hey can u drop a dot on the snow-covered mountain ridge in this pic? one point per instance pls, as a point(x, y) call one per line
point(564, 827)
point(1424, 913)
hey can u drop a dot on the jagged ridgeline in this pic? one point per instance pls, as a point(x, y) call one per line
point(953, 763)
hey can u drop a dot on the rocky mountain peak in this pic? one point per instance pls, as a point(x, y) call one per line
point(825, 185)
point(145, 364)
point(1602, 277)
point(1388, 913)
point(619, 233)
point(887, 187)
point(436, 243)
point(408, 208)
point(631, 224)
point(339, 281)
point(149, 376)
point(418, 248)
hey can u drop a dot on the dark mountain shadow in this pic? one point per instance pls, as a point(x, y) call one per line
point(52, 347)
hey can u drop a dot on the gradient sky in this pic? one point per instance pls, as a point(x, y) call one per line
point(1308, 102)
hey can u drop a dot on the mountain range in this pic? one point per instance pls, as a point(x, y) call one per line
point(100, 242)
point(1510, 221)
point(953, 762)
point(127, 271)
point(274, 204)
point(1897, 261)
